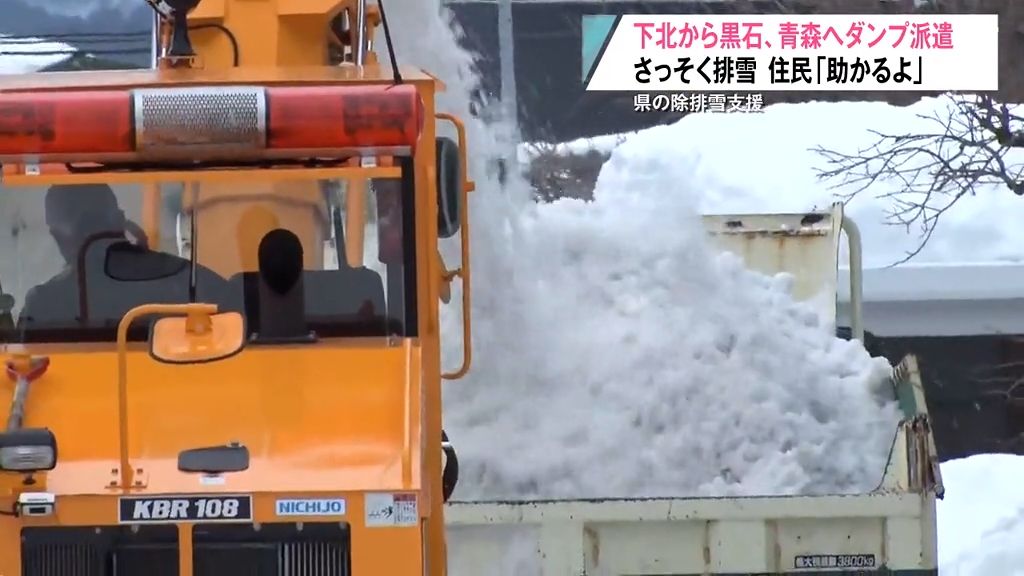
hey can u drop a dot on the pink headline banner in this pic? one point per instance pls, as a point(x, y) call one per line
point(757, 53)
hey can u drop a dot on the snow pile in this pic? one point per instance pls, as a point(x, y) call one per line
point(617, 355)
point(19, 63)
point(690, 374)
point(779, 174)
point(981, 519)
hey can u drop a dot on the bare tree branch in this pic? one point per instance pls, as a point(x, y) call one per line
point(927, 173)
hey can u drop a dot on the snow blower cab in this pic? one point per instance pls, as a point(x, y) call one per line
point(221, 305)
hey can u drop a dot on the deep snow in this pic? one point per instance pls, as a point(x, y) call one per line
point(692, 374)
point(981, 519)
point(610, 332)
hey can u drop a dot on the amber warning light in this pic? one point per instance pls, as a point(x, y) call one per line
point(209, 122)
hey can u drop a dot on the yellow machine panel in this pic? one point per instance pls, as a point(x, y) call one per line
point(220, 322)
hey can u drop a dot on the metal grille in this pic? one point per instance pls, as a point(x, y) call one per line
point(232, 117)
point(309, 558)
point(319, 549)
point(311, 549)
point(62, 560)
point(100, 551)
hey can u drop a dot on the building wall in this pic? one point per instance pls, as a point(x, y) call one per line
point(970, 385)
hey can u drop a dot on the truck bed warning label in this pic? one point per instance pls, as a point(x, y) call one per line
point(166, 509)
point(815, 561)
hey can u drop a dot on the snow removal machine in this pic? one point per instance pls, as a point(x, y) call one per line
point(221, 303)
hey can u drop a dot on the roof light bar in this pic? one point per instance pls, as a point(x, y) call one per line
point(209, 123)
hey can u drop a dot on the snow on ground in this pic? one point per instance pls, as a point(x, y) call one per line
point(778, 174)
point(20, 64)
point(981, 519)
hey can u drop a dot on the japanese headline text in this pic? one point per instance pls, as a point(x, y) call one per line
point(755, 53)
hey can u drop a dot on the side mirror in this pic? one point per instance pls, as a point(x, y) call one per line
point(197, 338)
point(449, 468)
point(449, 187)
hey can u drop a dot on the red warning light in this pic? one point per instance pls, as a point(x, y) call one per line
point(65, 123)
point(344, 116)
point(191, 123)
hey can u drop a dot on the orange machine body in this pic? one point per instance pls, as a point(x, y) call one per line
point(313, 432)
point(350, 420)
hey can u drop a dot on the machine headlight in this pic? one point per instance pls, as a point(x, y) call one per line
point(28, 450)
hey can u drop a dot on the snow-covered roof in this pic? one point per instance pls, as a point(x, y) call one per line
point(969, 279)
point(764, 163)
point(946, 299)
point(14, 61)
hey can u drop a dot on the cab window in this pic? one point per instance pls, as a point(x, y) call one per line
point(301, 260)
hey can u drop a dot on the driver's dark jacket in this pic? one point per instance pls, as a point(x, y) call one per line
point(54, 304)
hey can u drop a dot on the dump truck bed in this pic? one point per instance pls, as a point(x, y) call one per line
point(889, 531)
point(695, 536)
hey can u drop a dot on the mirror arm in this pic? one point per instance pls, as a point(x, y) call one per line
point(127, 471)
point(462, 272)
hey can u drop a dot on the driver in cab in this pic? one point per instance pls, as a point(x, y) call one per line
point(87, 225)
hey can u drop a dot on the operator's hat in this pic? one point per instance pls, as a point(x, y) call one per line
point(75, 202)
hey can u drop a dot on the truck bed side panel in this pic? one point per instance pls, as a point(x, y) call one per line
point(693, 536)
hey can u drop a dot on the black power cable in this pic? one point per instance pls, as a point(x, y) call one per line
point(387, 40)
point(227, 32)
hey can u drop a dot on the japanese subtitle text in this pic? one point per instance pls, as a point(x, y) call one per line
point(697, 102)
point(806, 70)
point(743, 35)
